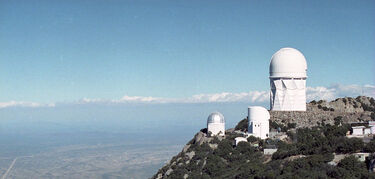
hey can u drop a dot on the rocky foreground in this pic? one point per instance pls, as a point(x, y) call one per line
point(314, 141)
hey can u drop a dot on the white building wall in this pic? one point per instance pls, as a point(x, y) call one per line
point(260, 129)
point(372, 126)
point(372, 129)
point(240, 139)
point(258, 122)
point(216, 128)
point(361, 156)
point(269, 151)
point(357, 131)
point(288, 94)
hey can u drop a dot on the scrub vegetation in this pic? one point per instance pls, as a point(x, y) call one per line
point(312, 151)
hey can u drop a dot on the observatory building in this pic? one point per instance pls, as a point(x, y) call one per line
point(259, 125)
point(288, 80)
point(216, 124)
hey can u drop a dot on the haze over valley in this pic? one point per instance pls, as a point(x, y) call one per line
point(99, 141)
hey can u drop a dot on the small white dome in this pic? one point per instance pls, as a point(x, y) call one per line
point(288, 62)
point(258, 113)
point(215, 117)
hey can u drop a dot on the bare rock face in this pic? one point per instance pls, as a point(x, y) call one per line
point(213, 146)
point(169, 171)
point(351, 110)
point(159, 176)
point(291, 158)
point(190, 154)
point(347, 104)
point(186, 147)
point(201, 137)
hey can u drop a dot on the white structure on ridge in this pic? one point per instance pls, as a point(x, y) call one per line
point(216, 124)
point(358, 130)
point(239, 139)
point(372, 126)
point(259, 125)
point(288, 80)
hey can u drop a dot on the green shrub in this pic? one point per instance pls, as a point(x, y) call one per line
point(242, 125)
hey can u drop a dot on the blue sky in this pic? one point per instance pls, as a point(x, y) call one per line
point(58, 51)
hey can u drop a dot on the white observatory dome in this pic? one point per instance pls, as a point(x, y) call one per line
point(258, 113)
point(288, 62)
point(215, 117)
point(215, 124)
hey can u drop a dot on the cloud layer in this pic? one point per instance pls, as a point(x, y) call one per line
point(337, 91)
point(313, 93)
point(24, 104)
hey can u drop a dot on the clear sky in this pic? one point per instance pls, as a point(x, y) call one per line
point(54, 51)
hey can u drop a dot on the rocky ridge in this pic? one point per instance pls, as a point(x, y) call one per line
point(349, 110)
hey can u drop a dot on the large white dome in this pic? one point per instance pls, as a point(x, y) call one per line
point(289, 63)
point(215, 117)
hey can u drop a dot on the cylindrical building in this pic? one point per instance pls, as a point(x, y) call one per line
point(259, 125)
point(288, 69)
point(216, 124)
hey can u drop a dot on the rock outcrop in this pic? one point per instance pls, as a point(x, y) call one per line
point(351, 110)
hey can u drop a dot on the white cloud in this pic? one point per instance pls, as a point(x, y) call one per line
point(253, 96)
point(338, 91)
point(313, 93)
point(24, 104)
point(88, 101)
point(140, 99)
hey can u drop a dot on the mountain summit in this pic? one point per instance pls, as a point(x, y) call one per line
point(313, 144)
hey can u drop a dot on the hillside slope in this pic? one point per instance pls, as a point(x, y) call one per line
point(307, 151)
